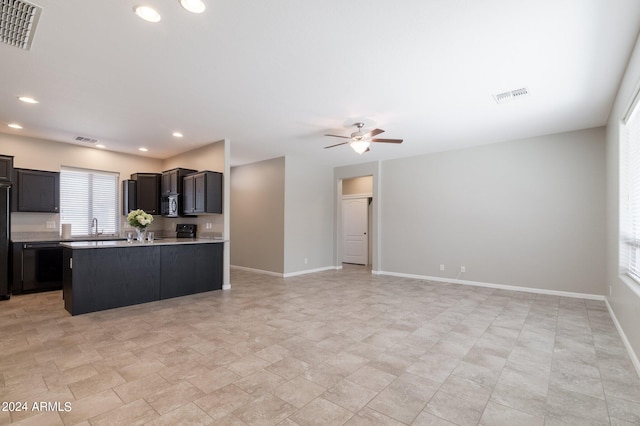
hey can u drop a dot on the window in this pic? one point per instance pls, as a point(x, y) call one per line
point(88, 194)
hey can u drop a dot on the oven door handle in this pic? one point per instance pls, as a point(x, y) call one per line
point(29, 246)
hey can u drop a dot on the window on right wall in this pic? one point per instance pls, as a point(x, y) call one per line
point(630, 191)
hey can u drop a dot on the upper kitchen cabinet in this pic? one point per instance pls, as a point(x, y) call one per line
point(147, 192)
point(172, 190)
point(172, 180)
point(202, 193)
point(36, 191)
point(129, 200)
point(6, 168)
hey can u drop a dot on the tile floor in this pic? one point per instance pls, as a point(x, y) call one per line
point(332, 348)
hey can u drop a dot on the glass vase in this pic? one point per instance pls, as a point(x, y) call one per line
point(141, 234)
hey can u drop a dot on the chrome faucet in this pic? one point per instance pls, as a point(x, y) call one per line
point(94, 222)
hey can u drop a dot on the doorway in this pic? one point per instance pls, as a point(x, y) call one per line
point(355, 227)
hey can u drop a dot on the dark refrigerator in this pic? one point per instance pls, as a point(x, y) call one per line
point(5, 227)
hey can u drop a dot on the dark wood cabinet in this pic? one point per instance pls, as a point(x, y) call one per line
point(203, 193)
point(107, 278)
point(173, 185)
point(129, 201)
point(6, 168)
point(172, 180)
point(36, 191)
point(189, 269)
point(147, 191)
point(95, 279)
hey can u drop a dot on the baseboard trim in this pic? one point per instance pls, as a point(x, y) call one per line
point(497, 286)
point(287, 275)
point(257, 271)
point(623, 336)
point(310, 271)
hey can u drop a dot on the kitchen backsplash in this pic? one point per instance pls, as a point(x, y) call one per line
point(37, 222)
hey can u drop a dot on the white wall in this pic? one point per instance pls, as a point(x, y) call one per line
point(308, 220)
point(527, 213)
point(257, 215)
point(624, 296)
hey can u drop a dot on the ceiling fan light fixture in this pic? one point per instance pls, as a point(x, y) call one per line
point(360, 146)
point(193, 6)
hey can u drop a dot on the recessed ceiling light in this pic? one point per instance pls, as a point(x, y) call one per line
point(177, 134)
point(28, 100)
point(99, 145)
point(15, 126)
point(147, 13)
point(143, 149)
point(194, 6)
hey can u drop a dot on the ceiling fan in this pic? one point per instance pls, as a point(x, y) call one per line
point(361, 140)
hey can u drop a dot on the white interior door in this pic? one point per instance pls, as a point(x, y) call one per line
point(355, 225)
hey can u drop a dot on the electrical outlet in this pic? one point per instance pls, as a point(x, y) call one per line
point(442, 267)
point(208, 225)
point(306, 260)
point(51, 224)
point(463, 269)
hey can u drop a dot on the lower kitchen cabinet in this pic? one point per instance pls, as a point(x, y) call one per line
point(109, 278)
point(190, 269)
point(96, 279)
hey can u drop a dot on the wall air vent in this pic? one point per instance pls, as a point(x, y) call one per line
point(83, 139)
point(503, 97)
point(18, 21)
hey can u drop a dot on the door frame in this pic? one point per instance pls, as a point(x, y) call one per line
point(346, 172)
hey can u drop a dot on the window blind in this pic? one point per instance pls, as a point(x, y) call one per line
point(88, 194)
point(630, 193)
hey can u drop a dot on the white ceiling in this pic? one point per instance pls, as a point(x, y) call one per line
point(274, 75)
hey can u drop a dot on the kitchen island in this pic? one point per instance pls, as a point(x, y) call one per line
point(99, 275)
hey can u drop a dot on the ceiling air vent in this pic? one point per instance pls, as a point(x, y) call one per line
point(83, 139)
point(18, 23)
point(503, 97)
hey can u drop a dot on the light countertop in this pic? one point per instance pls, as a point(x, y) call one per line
point(125, 244)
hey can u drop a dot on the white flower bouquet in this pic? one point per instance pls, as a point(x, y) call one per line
point(139, 219)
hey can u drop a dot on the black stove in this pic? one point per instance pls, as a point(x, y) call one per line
point(186, 230)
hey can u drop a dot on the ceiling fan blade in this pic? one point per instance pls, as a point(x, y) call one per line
point(338, 136)
point(372, 133)
point(338, 144)
point(387, 140)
